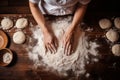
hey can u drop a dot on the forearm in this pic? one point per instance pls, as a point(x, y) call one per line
point(38, 16)
point(78, 16)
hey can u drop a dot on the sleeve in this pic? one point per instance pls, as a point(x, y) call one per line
point(84, 2)
point(35, 1)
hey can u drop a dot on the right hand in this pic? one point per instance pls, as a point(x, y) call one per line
point(50, 42)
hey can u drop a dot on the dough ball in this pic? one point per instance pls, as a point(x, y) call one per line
point(117, 22)
point(6, 23)
point(105, 23)
point(7, 57)
point(112, 35)
point(116, 49)
point(21, 23)
point(19, 37)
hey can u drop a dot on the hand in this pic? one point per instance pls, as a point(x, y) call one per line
point(50, 42)
point(67, 42)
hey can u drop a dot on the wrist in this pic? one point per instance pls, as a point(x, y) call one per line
point(45, 31)
point(71, 28)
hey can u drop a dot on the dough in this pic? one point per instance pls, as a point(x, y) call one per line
point(21, 23)
point(116, 49)
point(19, 37)
point(6, 23)
point(7, 57)
point(112, 35)
point(117, 22)
point(105, 23)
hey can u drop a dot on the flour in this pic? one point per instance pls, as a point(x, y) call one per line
point(59, 62)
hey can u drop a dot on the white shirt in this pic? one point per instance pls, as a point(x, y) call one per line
point(58, 7)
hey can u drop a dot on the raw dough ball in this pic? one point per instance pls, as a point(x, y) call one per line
point(116, 49)
point(7, 57)
point(6, 23)
point(105, 23)
point(117, 22)
point(19, 37)
point(21, 23)
point(112, 35)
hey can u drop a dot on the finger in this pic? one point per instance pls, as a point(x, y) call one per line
point(53, 48)
point(69, 50)
point(49, 48)
point(46, 49)
point(56, 44)
point(72, 44)
point(65, 44)
point(66, 47)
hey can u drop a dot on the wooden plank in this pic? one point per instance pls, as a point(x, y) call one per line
point(3, 3)
point(14, 10)
point(17, 3)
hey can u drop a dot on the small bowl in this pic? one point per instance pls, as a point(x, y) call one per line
point(3, 39)
point(6, 57)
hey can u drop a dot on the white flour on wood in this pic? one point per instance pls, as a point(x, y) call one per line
point(59, 61)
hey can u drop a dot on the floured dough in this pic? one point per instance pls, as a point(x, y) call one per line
point(21, 23)
point(117, 22)
point(112, 35)
point(105, 23)
point(19, 37)
point(6, 23)
point(116, 49)
point(7, 57)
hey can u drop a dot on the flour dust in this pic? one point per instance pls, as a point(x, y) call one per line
point(59, 62)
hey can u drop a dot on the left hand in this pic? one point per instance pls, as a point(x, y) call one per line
point(67, 41)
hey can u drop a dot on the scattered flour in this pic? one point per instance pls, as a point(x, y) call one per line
point(59, 62)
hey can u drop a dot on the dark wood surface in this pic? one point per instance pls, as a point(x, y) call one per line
point(107, 68)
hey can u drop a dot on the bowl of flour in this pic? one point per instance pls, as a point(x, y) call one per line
point(6, 57)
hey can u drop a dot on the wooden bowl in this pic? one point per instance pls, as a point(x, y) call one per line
point(3, 39)
point(6, 57)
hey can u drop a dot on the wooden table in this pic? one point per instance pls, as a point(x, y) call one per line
point(107, 68)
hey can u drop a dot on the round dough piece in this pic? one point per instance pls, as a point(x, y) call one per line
point(7, 57)
point(117, 22)
point(19, 37)
point(116, 49)
point(6, 23)
point(105, 23)
point(21, 23)
point(112, 35)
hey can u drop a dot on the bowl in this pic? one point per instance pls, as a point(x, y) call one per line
point(6, 57)
point(3, 39)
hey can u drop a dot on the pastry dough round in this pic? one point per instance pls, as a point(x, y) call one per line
point(112, 35)
point(117, 22)
point(21, 23)
point(116, 49)
point(19, 37)
point(6, 23)
point(105, 23)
